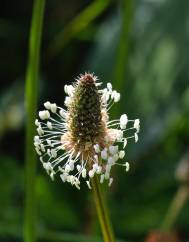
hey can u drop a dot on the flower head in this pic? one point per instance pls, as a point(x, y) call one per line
point(80, 141)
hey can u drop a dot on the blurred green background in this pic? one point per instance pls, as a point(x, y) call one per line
point(142, 48)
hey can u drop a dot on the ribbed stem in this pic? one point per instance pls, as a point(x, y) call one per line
point(31, 107)
point(103, 216)
point(175, 207)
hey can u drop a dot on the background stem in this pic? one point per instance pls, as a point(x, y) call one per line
point(103, 216)
point(175, 207)
point(32, 75)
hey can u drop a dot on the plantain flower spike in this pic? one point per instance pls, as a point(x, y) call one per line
point(79, 141)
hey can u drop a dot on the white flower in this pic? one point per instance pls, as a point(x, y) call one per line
point(79, 142)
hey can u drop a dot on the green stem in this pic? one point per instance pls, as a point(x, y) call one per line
point(103, 216)
point(32, 75)
point(175, 208)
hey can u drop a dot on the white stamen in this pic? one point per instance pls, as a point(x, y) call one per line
point(62, 113)
point(109, 86)
point(37, 122)
point(127, 166)
point(136, 137)
point(44, 114)
point(49, 125)
point(117, 97)
point(40, 131)
point(91, 173)
point(104, 154)
point(123, 121)
point(67, 101)
point(53, 107)
point(47, 105)
point(121, 154)
point(84, 173)
point(137, 125)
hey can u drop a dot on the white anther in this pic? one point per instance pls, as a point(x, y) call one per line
point(95, 166)
point(127, 166)
point(137, 125)
point(136, 137)
point(111, 161)
point(64, 177)
point(37, 139)
point(107, 175)
point(99, 170)
point(62, 113)
point(116, 157)
point(53, 107)
point(53, 153)
point(88, 184)
point(67, 101)
point(44, 114)
point(96, 157)
point(123, 121)
point(49, 152)
point(47, 166)
point(42, 147)
point(117, 97)
point(121, 154)
point(49, 142)
point(49, 125)
point(67, 168)
point(69, 89)
point(109, 86)
point(91, 173)
point(37, 123)
point(40, 131)
point(47, 105)
point(104, 154)
point(84, 173)
point(38, 151)
point(78, 167)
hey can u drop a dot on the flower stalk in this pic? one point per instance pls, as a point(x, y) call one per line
point(105, 223)
point(31, 107)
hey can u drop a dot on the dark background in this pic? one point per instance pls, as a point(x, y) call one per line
point(149, 67)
